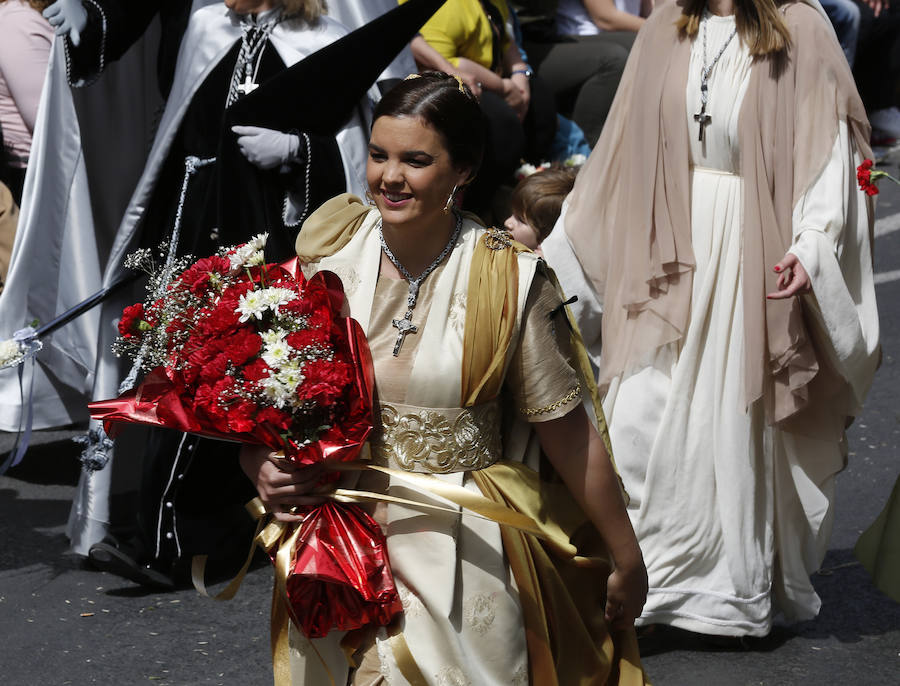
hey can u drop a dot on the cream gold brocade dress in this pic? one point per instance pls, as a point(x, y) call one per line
point(462, 618)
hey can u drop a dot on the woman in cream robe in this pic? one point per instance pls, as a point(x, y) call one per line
point(727, 380)
point(482, 603)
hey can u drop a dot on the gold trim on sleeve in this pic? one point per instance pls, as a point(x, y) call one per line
point(552, 407)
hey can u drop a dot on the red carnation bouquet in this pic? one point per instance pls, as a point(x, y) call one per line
point(237, 349)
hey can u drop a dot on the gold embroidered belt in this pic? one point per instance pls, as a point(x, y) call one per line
point(437, 440)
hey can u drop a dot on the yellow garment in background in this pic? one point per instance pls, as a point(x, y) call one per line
point(461, 29)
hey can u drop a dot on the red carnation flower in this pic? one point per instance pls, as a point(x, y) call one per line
point(215, 368)
point(206, 401)
point(307, 337)
point(130, 323)
point(867, 177)
point(275, 417)
point(243, 345)
point(256, 370)
point(240, 416)
point(196, 278)
point(325, 381)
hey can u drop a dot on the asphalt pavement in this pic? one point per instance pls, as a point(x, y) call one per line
point(64, 623)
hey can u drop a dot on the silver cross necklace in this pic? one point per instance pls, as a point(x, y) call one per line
point(254, 36)
point(405, 326)
point(702, 118)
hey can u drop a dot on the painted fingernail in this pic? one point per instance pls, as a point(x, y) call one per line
point(777, 268)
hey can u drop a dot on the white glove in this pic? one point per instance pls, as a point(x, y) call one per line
point(67, 17)
point(266, 148)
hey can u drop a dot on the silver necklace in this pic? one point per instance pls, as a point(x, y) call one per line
point(702, 118)
point(405, 326)
point(254, 37)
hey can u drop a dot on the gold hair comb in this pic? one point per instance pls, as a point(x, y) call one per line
point(462, 86)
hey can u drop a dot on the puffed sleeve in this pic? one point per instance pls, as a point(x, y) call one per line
point(541, 378)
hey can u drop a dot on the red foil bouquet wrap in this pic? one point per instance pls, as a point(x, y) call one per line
point(245, 351)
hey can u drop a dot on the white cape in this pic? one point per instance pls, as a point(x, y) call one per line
point(68, 223)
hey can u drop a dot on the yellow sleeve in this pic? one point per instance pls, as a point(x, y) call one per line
point(456, 30)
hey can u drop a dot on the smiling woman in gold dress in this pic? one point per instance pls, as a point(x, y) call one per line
point(478, 384)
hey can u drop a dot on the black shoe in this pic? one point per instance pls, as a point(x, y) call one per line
point(108, 556)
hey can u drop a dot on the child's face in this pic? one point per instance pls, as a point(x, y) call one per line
point(522, 231)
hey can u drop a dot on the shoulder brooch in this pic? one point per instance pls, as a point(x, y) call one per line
point(497, 239)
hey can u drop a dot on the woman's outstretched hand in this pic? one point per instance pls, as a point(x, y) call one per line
point(792, 278)
point(280, 483)
point(626, 593)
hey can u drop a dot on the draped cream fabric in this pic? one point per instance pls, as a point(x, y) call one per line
point(463, 619)
point(458, 597)
point(633, 238)
point(726, 410)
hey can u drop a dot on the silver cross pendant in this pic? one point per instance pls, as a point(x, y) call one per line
point(404, 326)
point(248, 86)
point(702, 119)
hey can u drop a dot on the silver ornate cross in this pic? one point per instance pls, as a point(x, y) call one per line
point(404, 326)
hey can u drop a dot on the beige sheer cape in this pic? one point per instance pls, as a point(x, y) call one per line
point(629, 217)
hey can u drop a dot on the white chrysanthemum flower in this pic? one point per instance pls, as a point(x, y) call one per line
point(252, 305)
point(291, 376)
point(575, 160)
point(10, 353)
point(276, 297)
point(237, 259)
point(257, 259)
point(277, 353)
point(250, 254)
point(275, 392)
point(273, 336)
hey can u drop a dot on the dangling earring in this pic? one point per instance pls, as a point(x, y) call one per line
point(370, 198)
point(450, 200)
